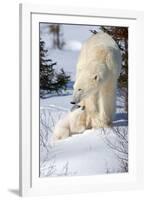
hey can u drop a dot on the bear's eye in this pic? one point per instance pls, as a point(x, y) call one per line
point(79, 89)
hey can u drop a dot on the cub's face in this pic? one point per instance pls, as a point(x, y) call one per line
point(84, 86)
point(78, 108)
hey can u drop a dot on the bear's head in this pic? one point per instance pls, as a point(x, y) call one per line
point(85, 85)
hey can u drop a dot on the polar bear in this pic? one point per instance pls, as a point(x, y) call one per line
point(98, 70)
point(73, 123)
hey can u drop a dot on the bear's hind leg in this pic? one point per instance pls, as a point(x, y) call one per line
point(107, 102)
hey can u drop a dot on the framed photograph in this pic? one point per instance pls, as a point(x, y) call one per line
point(81, 100)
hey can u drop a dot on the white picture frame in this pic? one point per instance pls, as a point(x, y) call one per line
point(30, 183)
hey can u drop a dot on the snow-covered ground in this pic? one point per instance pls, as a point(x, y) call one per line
point(89, 153)
point(93, 152)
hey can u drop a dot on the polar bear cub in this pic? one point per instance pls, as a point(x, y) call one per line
point(73, 123)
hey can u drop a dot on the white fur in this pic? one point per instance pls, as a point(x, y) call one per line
point(72, 123)
point(98, 69)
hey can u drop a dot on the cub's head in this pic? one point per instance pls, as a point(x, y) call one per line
point(78, 108)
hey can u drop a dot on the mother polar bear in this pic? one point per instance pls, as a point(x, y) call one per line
point(98, 69)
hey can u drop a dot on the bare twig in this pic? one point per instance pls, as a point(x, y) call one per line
point(120, 146)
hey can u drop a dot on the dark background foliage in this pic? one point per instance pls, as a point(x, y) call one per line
point(51, 80)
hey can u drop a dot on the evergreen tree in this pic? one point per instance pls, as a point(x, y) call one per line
point(50, 79)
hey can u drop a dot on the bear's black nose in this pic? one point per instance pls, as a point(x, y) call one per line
point(72, 102)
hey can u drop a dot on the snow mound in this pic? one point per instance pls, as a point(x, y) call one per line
point(82, 154)
point(95, 151)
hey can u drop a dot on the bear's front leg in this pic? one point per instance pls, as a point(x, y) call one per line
point(98, 122)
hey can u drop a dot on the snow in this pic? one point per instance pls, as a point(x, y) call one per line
point(73, 45)
point(81, 154)
point(70, 62)
point(86, 154)
point(92, 152)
